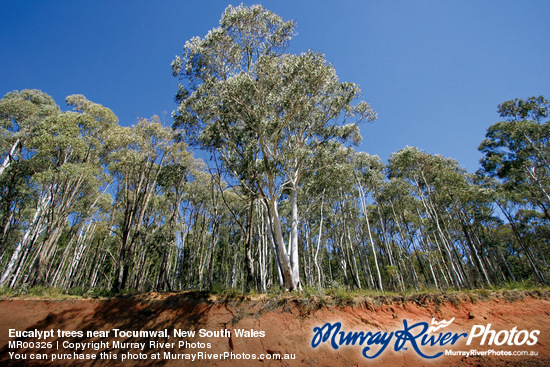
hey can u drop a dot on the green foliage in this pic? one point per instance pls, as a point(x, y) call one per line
point(266, 114)
point(525, 285)
point(41, 291)
point(340, 295)
point(232, 295)
point(92, 208)
point(45, 292)
point(517, 150)
point(7, 292)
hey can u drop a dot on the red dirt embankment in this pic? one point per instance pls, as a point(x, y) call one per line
point(284, 326)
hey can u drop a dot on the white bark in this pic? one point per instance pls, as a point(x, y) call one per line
point(315, 261)
point(282, 252)
point(9, 157)
point(30, 233)
point(294, 255)
point(365, 214)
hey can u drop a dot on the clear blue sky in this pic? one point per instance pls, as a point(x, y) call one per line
point(434, 71)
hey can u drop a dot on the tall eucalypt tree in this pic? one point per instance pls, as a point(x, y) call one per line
point(265, 113)
point(517, 150)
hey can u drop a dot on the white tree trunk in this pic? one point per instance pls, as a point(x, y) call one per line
point(9, 157)
point(315, 258)
point(283, 254)
point(365, 214)
point(294, 255)
point(27, 237)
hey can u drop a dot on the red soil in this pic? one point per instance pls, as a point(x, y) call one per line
point(287, 323)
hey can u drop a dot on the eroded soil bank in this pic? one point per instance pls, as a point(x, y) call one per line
point(286, 324)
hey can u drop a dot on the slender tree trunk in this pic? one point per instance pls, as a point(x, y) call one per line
point(315, 258)
point(365, 214)
point(250, 273)
point(532, 261)
point(9, 157)
point(294, 253)
point(27, 240)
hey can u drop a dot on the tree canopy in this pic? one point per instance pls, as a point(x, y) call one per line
point(286, 201)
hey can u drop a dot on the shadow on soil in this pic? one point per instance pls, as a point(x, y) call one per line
point(186, 311)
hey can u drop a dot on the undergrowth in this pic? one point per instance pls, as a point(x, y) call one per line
point(313, 297)
point(40, 291)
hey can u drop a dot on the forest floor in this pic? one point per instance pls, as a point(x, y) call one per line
point(284, 323)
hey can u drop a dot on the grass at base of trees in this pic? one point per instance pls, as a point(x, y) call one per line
point(57, 293)
point(309, 296)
